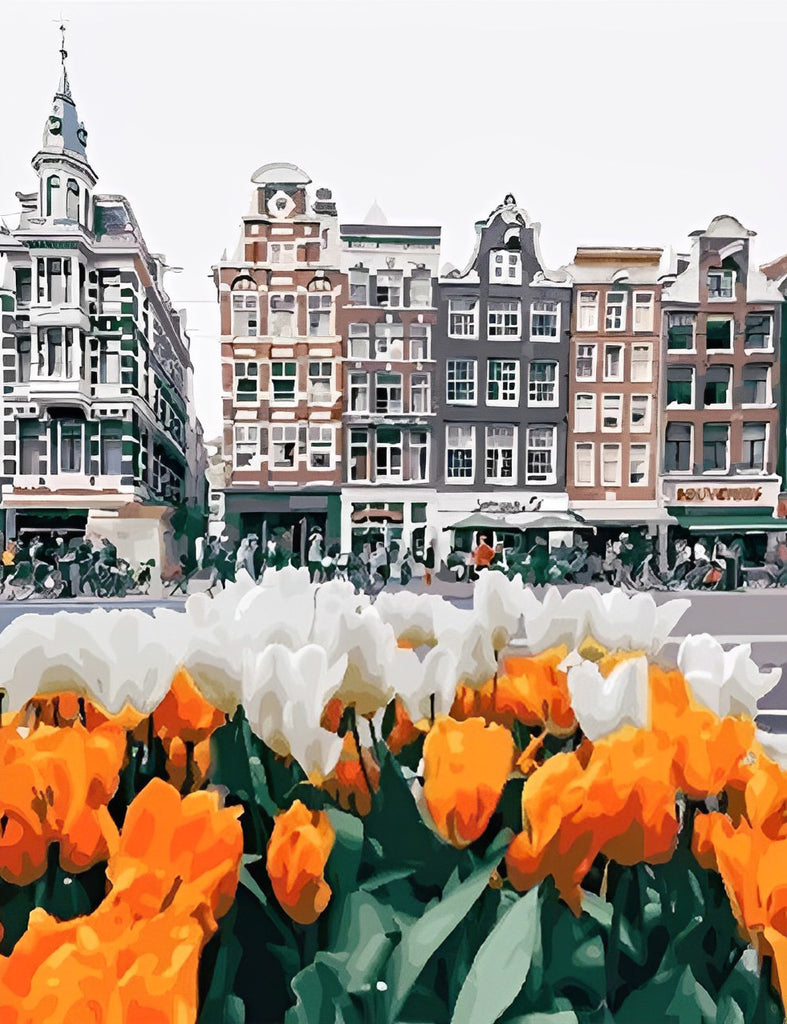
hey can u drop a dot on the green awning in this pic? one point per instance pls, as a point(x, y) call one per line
point(731, 522)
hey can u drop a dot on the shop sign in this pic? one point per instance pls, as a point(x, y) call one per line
point(533, 505)
point(705, 494)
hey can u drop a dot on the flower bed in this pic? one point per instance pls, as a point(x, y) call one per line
point(290, 804)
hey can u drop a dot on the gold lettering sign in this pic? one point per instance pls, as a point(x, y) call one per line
point(719, 493)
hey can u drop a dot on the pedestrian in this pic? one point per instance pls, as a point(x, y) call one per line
point(483, 553)
point(315, 556)
point(539, 561)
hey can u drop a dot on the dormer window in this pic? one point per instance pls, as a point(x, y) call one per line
point(721, 284)
point(505, 266)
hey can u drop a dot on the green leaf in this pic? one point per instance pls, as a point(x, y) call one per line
point(558, 1017)
point(220, 1004)
point(501, 965)
point(427, 934)
point(342, 869)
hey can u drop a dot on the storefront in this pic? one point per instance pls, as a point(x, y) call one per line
point(612, 518)
point(372, 515)
point(288, 519)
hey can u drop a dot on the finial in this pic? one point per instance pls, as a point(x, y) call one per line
point(62, 27)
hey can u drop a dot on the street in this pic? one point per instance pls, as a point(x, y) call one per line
point(757, 617)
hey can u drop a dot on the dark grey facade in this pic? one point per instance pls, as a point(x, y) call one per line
point(501, 347)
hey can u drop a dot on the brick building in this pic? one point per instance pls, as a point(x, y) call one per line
point(280, 296)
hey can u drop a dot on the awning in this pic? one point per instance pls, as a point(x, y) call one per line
point(743, 520)
point(533, 521)
point(377, 515)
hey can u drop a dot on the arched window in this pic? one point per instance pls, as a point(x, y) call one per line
point(72, 200)
point(52, 183)
point(245, 309)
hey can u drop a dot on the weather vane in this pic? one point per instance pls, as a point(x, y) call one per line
point(63, 22)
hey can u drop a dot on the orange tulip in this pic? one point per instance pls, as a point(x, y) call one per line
point(184, 713)
point(403, 732)
point(298, 851)
point(466, 765)
point(347, 783)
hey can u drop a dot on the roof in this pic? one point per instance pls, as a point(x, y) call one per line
point(280, 174)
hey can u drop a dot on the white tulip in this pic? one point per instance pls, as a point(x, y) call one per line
point(416, 618)
point(775, 746)
point(726, 682)
point(603, 705)
point(428, 688)
point(372, 657)
point(499, 603)
point(475, 657)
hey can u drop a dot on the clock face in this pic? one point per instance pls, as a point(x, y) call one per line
point(55, 125)
point(82, 135)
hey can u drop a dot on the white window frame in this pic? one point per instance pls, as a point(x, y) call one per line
point(589, 413)
point(768, 403)
point(542, 478)
point(505, 266)
point(359, 279)
point(393, 281)
point(246, 363)
point(683, 314)
point(644, 427)
point(413, 447)
point(769, 346)
point(465, 478)
point(321, 363)
point(316, 436)
point(692, 435)
point(421, 276)
point(621, 362)
point(548, 338)
point(320, 304)
point(354, 386)
point(247, 437)
point(643, 303)
point(359, 432)
point(726, 467)
point(467, 318)
point(508, 384)
point(590, 447)
point(615, 322)
point(645, 448)
point(616, 447)
point(511, 431)
point(716, 319)
point(641, 370)
point(358, 333)
point(587, 310)
point(243, 303)
point(725, 274)
point(728, 403)
point(386, 476)
point(285, 431)
point(423, 338)
point(289, 402)
point(291, 313)
point(472, 380)
point(534, 385)
point(504, 319)
point(766, 440)
point(593, 361)
point(390, 387)
point(424, 389)
point(681, 405)
point(612, 404)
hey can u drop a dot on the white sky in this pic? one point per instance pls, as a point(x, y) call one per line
point(629, 123)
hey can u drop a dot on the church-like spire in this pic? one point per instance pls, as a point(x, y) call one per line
point(64, 132)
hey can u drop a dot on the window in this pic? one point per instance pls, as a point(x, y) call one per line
point(388, 341)
point(680, 385)
point(283, 379)
point(244, 314)
point(420, 393)
point(613, 362)
point(640, 412)
point(459, 445)
point(388, 453)
point(502, 386)
point(638, 465)
point(505, 266)
point(108, 362)
point(503, 319)
point(540, 462)
point(420, 288)
point(715, 438)
point(584, 458)
point(610, 465)
point(754, 436)
point(544, 320)
point(282, 309)
point(359, 341)
point(717, 386)
point(31, 447)
point(719, 334)
point(359, 455)
point(57, 282)
point(52, 184)
point(111, 438)
point(462, 318)
point(320, 447)
point(500, 445)
point(643, 311)
point(246, 444)
point(721, 284)
point(23, 359)
point(680, 332)
point(611, 408)
point(542, 383)
point(285, 444)
point(320, 315)
point(321, 383)
point(615, 318)
point(759, 329)
point(460, 381)
point(419, 454)
point(642, 363)
point(281, 252)
point(587, 311)
point(756, 385)
point(359, 392)
point(246, 378)
point(586, 362)
point(584, 413)
point(419, 342)
point(388, 393)
point(389, 288)
point(72, 200)
point(677, 448)
point(54, 361)
point(70, 447)
point(359, 288)
point(24, 286)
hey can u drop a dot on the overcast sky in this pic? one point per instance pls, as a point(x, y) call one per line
point(629, 123)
